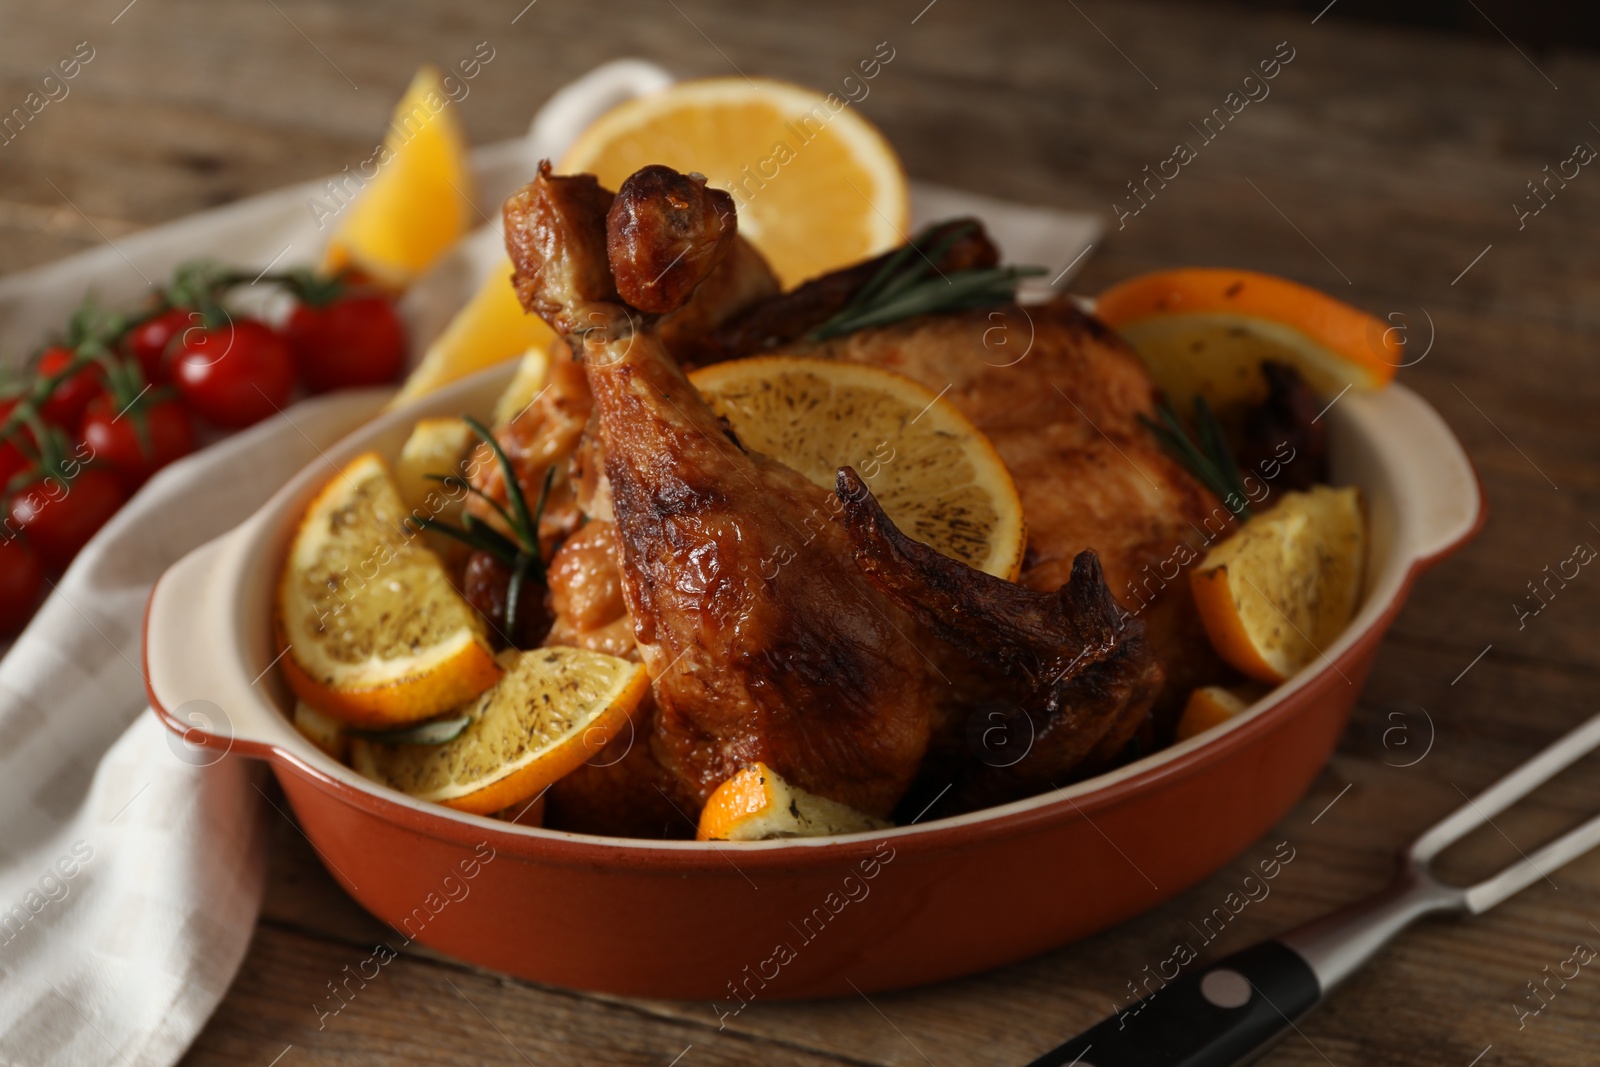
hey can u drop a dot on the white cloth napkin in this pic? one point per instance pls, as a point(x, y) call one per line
point(131, 863)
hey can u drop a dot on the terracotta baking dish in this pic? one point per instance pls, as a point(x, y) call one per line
point(809, 917)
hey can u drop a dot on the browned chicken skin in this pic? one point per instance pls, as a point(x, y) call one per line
point(840, 683)
point(1059, 396)
point(1070, 673)
point(666, 237)
point(586, 593)
point(804, 666)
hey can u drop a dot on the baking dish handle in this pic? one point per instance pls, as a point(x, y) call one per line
point(574, 107)
point(1428, 468)
point(193, 675)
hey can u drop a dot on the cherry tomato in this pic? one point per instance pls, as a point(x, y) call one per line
point(115, 439)
point(71, 396)
point(60, 516)
point(21, 582)
point(13, 460)
point(353, 341)
point(150, 341)
point(236, 374)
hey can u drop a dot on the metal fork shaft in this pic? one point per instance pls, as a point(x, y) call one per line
point(1507, 791)
point(1338, 943)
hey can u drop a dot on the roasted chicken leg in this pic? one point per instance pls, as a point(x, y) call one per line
point(781, 622)
point(802, 665)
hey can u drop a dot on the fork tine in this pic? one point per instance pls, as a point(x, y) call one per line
point(1529, 869)
point(1507, 791)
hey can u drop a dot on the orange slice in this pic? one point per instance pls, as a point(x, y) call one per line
point(1282, 588)
point(491, 328)
point(554, 709)
point(1213, 705)
point(375, 633)
point(935, 474)
point(327, 734)
point(816, 185)
point(757, 804)
point(419, 202)
point(437, 446)
point(1205, 331)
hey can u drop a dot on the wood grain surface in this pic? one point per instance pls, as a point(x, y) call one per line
point(1383, 167)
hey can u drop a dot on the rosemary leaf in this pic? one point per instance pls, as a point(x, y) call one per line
point(481, 539)
point(519, 573)
point(926, 261)
point(909, 283)
point(1211, 461)
point(958, 290)
point(504, 547)
point(892, 267)
point(456, 479)
point(524, 525)
point(1216, 447)
point(436, 732)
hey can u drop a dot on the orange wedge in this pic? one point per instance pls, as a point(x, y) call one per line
point(533, 374)
point(376, 635)
point(554, 709)
point(1281, 589)
point(816, 185)
point(437, 446)
point(935, 474)
point(419, 201)
point(491, 328)
point(327, 734)
point(756, 804)
point(1213, 705)
point(1205, 331)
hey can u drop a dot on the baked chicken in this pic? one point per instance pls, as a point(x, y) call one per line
point(855, 667)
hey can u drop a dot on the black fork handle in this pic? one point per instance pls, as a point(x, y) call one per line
point(1225, 1014)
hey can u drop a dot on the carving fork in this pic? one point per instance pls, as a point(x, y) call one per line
point(1232, 1010)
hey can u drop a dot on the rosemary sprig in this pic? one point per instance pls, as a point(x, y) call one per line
point(909, 284)
point(436, 732)
point(520, 552)
point(1210, 460)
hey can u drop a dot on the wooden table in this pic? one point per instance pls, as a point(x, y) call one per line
point(1383, 167)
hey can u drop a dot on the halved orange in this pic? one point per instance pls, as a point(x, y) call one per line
point(816, 185)
point(756, 804)
point(934, 473)
point(1205, 331)
point(376, 634)
point(417, 201)
point(554, 709)
point(1275, 594)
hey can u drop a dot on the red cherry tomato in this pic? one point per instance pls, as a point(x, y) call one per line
point(21, 582)
point(353, 341)
point(59, 516)
point(13, 460)
point(150, 341)
point(236, 374)
point(115, 439)
point(72, 395)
